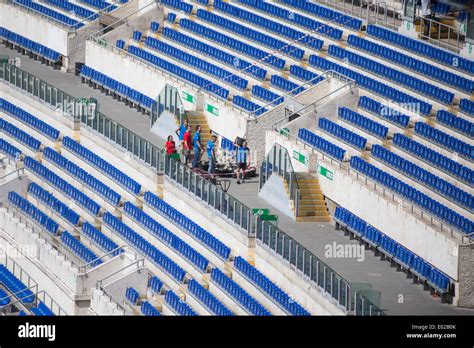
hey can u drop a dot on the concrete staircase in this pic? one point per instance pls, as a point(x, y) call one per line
point(312, 207)
point(197, 118)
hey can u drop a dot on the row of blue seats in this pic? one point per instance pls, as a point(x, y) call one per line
point(15, 285)
point(440, 8)
point(137, 35)
point(4, 298)
point(171, 17)
point(268, 287)
point(55, 204)
point(30, 120)
point(445, 140)
point(146, 248)
point(101, 4)
point(248, 105)
point(57, 16)
point(321, 144)
point(412, 63)
point(251, 34)
point(409, 259)
point(266, 95)
point(198, 63)
point(407, 191)
point(273, 26)
point(179, 306)
point(212, 51)
point(29, 209)
point(305, 75)
point(383, 111)
point(296, 18)
point(237, 293)
point(166, 236)
point(19, 135)
point(371, 84)
point(413, 83)
point(227, 145)
point(132, 295)
point(102, 165)
point(62, 186)
point(421, 48)
point(154, 26)
point(467, 106)
point(235, 45)
point(424, 176)
point(100, 239)
point(83, 252)
point(147, 309)
point(77, 10)
point(180, 72)
point(286, 85)
point(155, 284)
point(187, 225)
point(179, 5)
point(372, 127)
point(342, 133)
point(326, 13)
point(42, 310)
point(30, 45)
point(457, 123)
point(432, 157)
point(117, 87)
point(9, 150)
point(208, 300)
point(84, 177)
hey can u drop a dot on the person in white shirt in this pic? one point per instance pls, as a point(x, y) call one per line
point(426, 14)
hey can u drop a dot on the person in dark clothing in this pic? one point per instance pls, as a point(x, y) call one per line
point(197, 146)
point(242, 158)
point(211, 154)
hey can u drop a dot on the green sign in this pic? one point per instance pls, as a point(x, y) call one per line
point(300, 157)
point(285, 132)
point(269, 217)
point(4, 59)
point(212, 109)
point(188, 97)
point(260, 211)
point(326, 172)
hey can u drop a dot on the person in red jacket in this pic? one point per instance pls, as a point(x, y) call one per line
point(187, 145)
point(170, 145)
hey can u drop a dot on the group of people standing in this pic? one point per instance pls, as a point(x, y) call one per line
point(191, 146)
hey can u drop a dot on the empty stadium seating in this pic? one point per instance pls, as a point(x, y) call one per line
point(30, 120)
point(79, 249)
point(421, 48)
point(434, 158)
point(342, 133)
point(15, 286)
point(19, 135)
point(100, 239)
point(321, 144)
point(180, 307)
point(57, 16)
point(144, 247)
point(427, 203)
point(286, 85)
point(147, 309)
point(362, 122)
point(207, 299)
point(9, 150)
point(155, 284)
point(204, 237)
point(166, 237)
point(29, 45)
point(457, 123)
point(467, 106)
point(248, 105)
point(77, 10)
point(407, 258)
point(383, 111)
point(132, 295)
point(424, 176)
point(268, 287)
point(42, 310)
point(237, 293)
point(52, 202)
point(32, 212)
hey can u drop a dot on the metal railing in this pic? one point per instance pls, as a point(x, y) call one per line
point(169, 100)
point(74, 109)
point(278, 161)
point(227, 205)
point(440, 34)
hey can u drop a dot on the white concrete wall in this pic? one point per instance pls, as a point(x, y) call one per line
point(34, 27)
point(274, 192)
point(103, 305)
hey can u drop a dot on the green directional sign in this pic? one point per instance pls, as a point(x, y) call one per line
point(4, 59)
point(326, 172)
point(300, 157)
point(188, 97)
point(212, 109)
point(285, 132)
point(270, 217)
point(260, 211)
